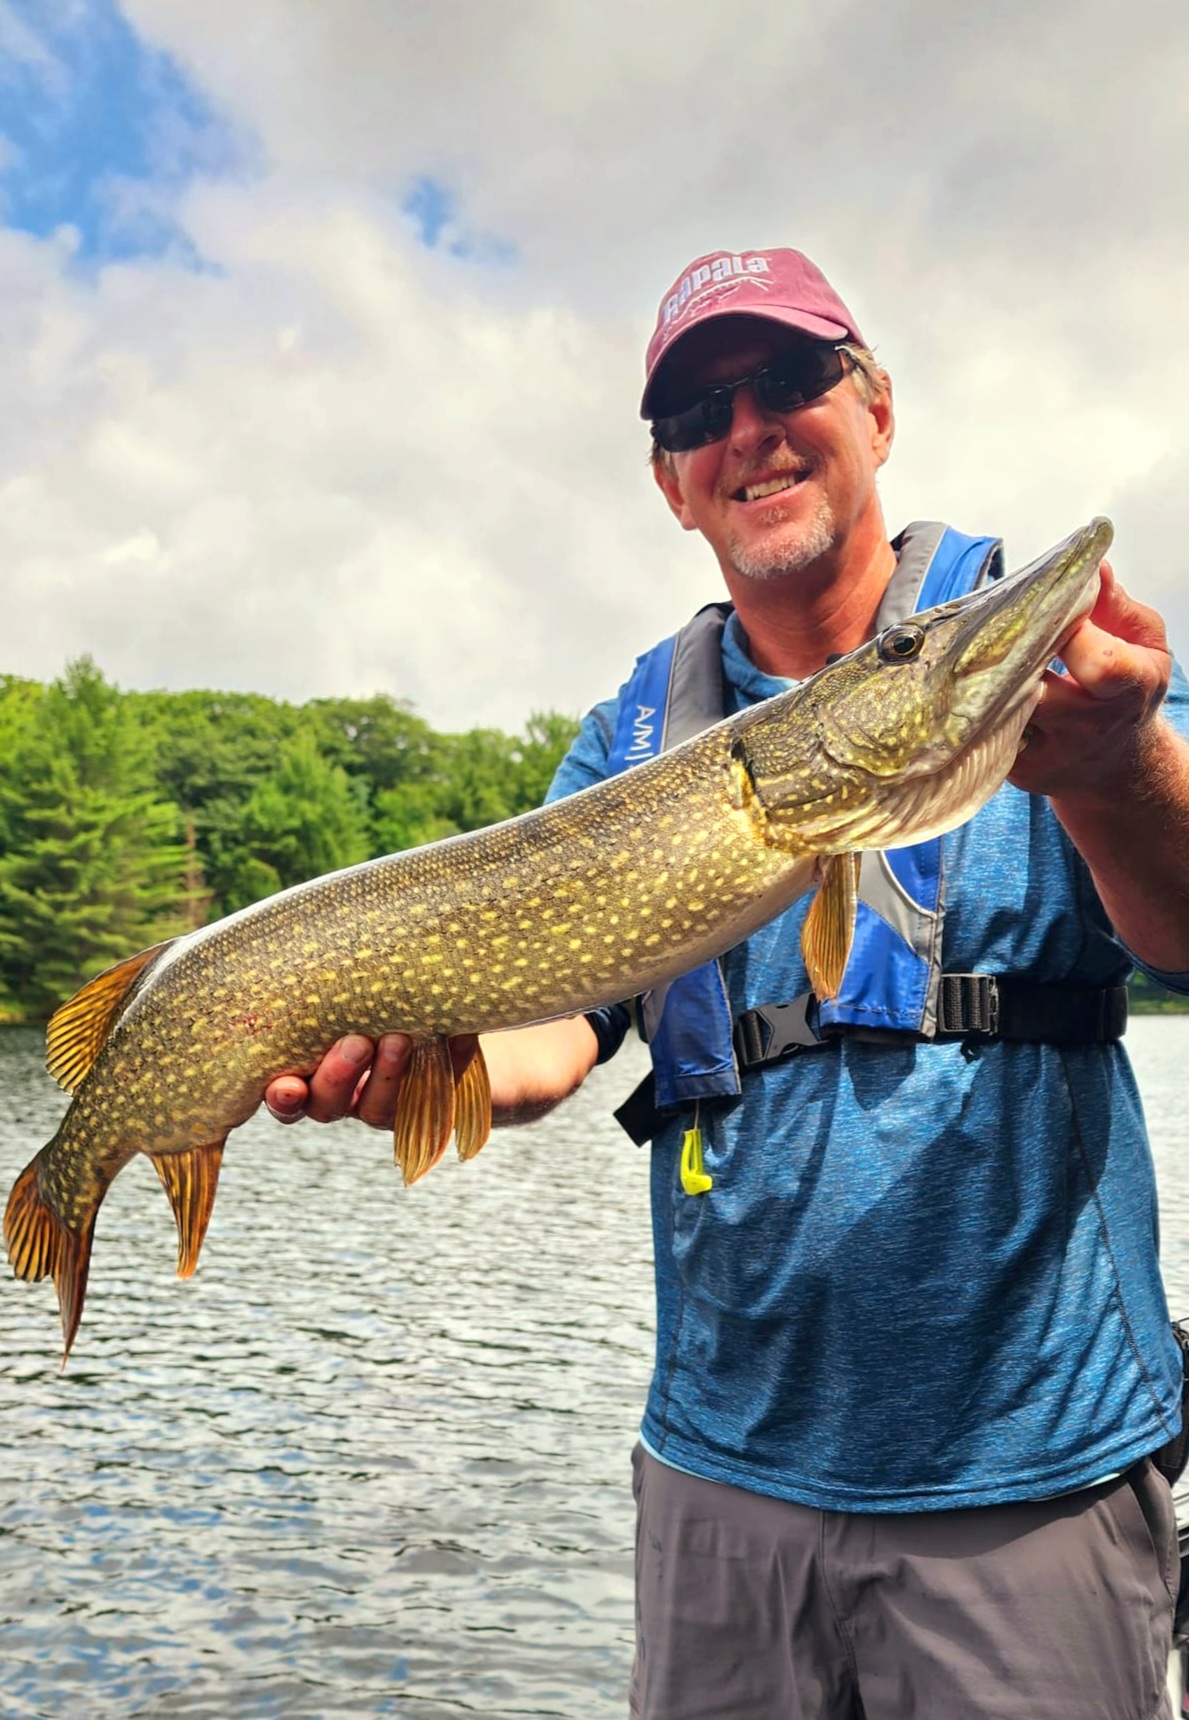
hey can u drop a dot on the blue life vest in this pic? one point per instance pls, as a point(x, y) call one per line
point(891, 979)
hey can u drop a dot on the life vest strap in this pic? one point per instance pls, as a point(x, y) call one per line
point(969, 1006)
point(1002, 1006)
point(972, 1007)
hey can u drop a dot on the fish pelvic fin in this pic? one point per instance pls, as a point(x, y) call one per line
point(41, 1245)
point(425, 1108)
point(829, 927)
point(78, 1028)
point(472, 1106)
point(191, 1180)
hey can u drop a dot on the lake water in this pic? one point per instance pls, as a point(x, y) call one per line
point(373, 1459)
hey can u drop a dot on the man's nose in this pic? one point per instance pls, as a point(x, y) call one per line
point(752, 423)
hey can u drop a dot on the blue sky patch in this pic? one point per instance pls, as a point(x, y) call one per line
point(433, 209)
point(99, 130)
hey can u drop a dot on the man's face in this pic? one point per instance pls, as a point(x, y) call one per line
point(781, 492)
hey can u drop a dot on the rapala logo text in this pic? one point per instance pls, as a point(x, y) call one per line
point(642, 732)
point(710, 277)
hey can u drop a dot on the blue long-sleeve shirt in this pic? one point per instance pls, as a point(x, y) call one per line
point(919, 1280)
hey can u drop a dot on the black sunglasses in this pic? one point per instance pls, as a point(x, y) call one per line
point(781, 386)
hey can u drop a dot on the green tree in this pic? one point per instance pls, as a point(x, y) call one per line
point(469, 780)
point(304, 819)
point(92, 867)
point(212, 750)
point(547, 738)
point(1148, 997)
point(377, 741)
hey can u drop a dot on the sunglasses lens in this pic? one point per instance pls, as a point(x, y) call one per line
point(781, 386)
point(708, 419)
point(799, 377)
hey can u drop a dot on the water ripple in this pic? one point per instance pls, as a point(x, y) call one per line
point(373, 1460)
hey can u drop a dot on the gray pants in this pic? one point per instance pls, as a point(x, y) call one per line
point(749, 1608)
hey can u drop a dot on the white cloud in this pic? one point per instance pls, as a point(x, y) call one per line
point(338, 462)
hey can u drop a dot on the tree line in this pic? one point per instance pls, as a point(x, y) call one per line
point(127, 817)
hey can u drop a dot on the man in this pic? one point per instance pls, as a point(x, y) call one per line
point(912, 1348)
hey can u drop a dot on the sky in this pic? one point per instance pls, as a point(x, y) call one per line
point(323, 325)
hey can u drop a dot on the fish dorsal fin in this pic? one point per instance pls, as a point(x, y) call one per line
point(829, 927)
point(425, 1108)
point(77, 1030)
point(190, 1179)
point(472, 1106)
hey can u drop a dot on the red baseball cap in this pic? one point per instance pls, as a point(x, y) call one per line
point(780, 286)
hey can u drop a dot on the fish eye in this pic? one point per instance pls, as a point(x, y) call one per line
point(900, 644)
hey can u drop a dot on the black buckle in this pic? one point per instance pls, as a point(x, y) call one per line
point(774, 1030)
point(968, 1003)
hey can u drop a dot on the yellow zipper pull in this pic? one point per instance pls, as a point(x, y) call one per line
point(693, 1170)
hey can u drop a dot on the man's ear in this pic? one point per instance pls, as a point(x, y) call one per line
point(669, 485)
point(882, 417)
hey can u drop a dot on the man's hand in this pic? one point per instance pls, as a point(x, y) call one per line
point(1117, 773)
point(531, 1070)
point(1089, 732)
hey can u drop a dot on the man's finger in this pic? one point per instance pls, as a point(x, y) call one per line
point(1109, 667)
point(377, 1101)
point(1119, 613)
point(286, 1098)
point(334, 1081)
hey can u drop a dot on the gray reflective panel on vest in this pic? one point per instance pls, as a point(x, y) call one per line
point(916, 546)
point(882, 890)
point(696, 697)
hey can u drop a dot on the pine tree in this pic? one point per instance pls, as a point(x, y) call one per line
point(91, 867)
point(305, 819)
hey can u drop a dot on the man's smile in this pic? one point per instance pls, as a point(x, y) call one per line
point(770, 486)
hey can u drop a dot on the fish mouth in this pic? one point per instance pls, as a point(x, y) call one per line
point(878, 744)
point(1009, 632)
point(1007, 636)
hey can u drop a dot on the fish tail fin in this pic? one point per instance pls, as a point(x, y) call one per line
point(40, 1245)
point(425, 1108)
point(472, 1106)
point(191, 1180)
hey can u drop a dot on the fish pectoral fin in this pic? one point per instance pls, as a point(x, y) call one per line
point(829, 928)
point(472, 1106)
point(425, 1108)
point(40, 1244)
point(191, 1180)
point(78, 1028)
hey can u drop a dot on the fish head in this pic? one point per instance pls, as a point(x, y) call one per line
point(907, 736)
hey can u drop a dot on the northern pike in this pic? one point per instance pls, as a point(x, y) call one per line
point(589, 900)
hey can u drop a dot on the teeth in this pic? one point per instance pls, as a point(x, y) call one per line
point(753, 492)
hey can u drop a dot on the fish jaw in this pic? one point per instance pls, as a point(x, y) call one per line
point(880, 751)
point(1007, 640)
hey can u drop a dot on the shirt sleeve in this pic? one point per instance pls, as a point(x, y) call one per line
point(584, 765)
point(586, 761)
